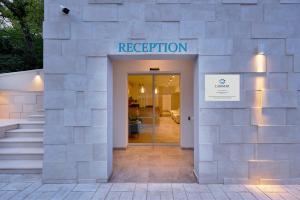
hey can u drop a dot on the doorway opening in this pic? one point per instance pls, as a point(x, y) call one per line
point(154, 109)
point(153, 125)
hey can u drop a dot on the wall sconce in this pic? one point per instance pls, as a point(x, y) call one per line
point(260, 60)
point(156, 91)
point(142, 90)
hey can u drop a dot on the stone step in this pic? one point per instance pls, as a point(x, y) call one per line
point(32, 124)
point(21, 166)
point(21, 153)
point(36, 117)
point(12, 142)
point(25, 133)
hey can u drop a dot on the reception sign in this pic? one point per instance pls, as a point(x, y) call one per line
point(222, 87)
point(152, 47)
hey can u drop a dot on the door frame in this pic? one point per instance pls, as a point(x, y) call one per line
point(153, 74)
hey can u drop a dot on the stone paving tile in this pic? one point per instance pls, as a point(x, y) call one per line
point(35, 190)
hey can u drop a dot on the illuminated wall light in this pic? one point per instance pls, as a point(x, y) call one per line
point(260, 60)
point(38, 82)
point(156, 91)
point(142, 90)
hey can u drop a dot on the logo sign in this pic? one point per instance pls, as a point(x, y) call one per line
point(152, 47)
point(222, 87)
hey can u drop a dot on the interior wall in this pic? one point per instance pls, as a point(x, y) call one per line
point(121, 69)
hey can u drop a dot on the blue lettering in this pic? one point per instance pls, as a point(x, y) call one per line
point(152, 46)
point(129, 47)
point(183, 47)
point(145, 47)
point(174, 49)
point(135, 49)
point(122, 47)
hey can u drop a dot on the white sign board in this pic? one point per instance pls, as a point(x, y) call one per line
point(222, 87)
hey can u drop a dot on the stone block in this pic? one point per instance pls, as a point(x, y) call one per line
point(137, 30)
point(239, 29)
point(232, 169)
point(208, 172)
point(25, 99)
point(292, 46)
point(271, 151)
point(239, 1)
point(54, 117)
point(75, 82)
point(289, 1)
point(228, 12)
point(94, 47)
point(277, 63)
point(279, 134)
point(99, 117)
point(192, 29)
point(57, 134)
point(279, 99)
point(216, 29)
point(215, 116)
point(77, 117)
point(276, 12)
point(215, 64)
point(238, 134)
point(79, 152)
point(52, 47)
point(66, 171)
point(208, 134)
point(293, 116)
point(162, 30)
point(97, 82)
point(54, 82)
point(297, 63)
point(241, 117)
point(56, 30)
point(55, 153)
point(100, 152)
point(197, 12)
point(132, 11)
point(268, 116)
point(173, 1)
point(266, 169)
point(96, 65)
point(82, 30)
point(100, 12)
point(234, 152)
point(96, 170)
point(90, 135)
point(64, 64)
point(106, 1)
point(111, 30)
point(270, 30)
point(206, 152)
point(215, 47)
point(277, 81)
point(168, 12)
point(253, 13)
point(96, 100)
point(59, 99)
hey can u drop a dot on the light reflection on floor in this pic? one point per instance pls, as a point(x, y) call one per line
point(153, 164)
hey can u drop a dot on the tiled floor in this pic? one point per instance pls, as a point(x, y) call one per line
point(158, 164)
point(166, 131)
point(18, 187)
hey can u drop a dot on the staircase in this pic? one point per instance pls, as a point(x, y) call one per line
point(21, 150)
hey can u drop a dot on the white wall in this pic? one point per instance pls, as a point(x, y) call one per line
point(21, 94)
point(122, 68)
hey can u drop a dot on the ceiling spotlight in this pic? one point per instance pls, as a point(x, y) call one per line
point(64, 10)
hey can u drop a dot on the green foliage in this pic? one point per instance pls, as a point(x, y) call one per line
point(21, 43)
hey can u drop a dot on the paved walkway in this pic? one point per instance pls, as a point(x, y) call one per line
point(29, 187)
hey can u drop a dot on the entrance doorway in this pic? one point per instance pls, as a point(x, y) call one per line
point(154, 109)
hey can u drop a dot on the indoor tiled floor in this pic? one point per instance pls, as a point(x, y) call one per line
point(166, 131)
point(153, 164)
point(20, 187)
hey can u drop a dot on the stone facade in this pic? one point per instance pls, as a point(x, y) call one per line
point(256, 140)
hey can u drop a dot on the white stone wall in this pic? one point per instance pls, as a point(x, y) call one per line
point(256, 140)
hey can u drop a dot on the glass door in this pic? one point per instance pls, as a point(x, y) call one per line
point(154, 109)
